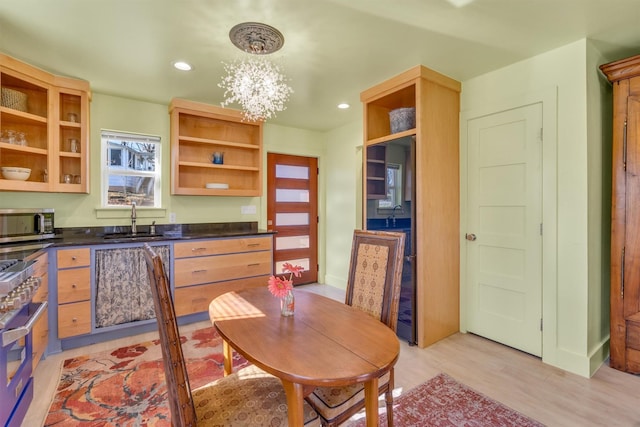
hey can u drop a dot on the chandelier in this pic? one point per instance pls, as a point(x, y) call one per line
point(258, 85)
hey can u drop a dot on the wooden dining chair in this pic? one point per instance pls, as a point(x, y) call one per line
point(373, 286)
point(248, 397)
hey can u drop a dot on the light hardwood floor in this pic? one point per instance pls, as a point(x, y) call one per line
point(547, 394)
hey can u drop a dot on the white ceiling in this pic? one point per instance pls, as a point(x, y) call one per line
point(333, 50)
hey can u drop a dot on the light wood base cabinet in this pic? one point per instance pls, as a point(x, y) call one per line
point(196, 299)
point(40, 336)
point(74, 292)
point(206, 269)
point(41, 327)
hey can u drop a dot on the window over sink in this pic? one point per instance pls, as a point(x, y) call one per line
point(394, 187)
point(131, 169)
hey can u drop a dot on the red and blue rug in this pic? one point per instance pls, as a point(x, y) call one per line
point(126, 388)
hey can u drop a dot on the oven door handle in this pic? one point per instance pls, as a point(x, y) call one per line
point(13, 335)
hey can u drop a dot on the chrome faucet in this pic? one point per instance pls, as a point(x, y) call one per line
point(393, 215)
point(134, 231)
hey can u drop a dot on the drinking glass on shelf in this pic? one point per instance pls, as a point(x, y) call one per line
point(21, 139)
point(73, 145)
point(9, 136)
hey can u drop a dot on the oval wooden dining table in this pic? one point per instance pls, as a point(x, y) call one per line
point(325, 343)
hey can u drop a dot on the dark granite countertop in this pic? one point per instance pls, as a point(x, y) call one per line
point(80, 236)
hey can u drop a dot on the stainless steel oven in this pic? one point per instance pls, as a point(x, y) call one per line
point(18, 225)
point(22, 232)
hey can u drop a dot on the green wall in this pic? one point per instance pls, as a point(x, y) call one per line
point(575, 195)
point(575, 292)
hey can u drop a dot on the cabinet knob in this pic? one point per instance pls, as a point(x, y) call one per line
point(73, 258)
point(470, 237)
point(74, 286)
point(74, 320)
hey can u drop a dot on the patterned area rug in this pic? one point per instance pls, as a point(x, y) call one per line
point(444, 402)
point(126, 387)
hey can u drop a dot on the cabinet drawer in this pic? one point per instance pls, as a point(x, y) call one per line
point(196, 299)
point(222, 246)
point(74, 319)
point(68, 258)
point(193, 271)
point(74, 285)
point(40, 337)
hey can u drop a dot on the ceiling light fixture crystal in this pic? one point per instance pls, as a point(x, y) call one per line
point(258, 85)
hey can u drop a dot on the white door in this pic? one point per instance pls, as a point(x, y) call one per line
point(504, 227)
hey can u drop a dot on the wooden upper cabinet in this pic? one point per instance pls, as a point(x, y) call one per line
point(39, 114)
point(200, 130)
point(436, 99)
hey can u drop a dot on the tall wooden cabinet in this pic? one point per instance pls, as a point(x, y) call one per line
point(200, 130)
point(44, 126)
point(436, 99)
point(625, 215)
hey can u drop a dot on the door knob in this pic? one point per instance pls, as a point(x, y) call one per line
point(470, 237)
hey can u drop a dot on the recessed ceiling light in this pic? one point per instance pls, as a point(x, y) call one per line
point(181, 65)
point(343, 106)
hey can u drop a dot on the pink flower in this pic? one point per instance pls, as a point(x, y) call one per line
point(279, 286)
point(296, 270)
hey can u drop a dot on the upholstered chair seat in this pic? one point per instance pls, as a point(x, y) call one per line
point(332, 402)
point(249, 397)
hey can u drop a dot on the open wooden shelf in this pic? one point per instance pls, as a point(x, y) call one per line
point(197, 131)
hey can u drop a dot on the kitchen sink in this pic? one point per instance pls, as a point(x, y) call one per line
point(112, 236)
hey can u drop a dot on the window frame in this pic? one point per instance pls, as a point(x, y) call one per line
point(110, 141)
point(395, 199)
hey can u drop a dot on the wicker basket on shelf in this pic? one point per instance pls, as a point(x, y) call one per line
point(14, 99)
point(402, 119)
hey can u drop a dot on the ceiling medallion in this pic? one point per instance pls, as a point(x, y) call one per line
point(257, 38)
point(258, 85)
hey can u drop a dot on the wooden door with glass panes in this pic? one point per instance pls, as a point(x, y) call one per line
point(292, 211)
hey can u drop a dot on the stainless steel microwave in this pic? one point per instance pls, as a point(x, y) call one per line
point(19, 225)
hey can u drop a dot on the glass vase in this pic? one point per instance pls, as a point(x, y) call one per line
point(287, 304)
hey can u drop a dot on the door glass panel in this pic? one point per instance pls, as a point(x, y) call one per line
point(303, 262)
point(283, 195)
point(292, 219)
point(294, 172)
point(293, 242)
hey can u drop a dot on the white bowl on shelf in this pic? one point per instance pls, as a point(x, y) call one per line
point(15, 173)
point(217, 185)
